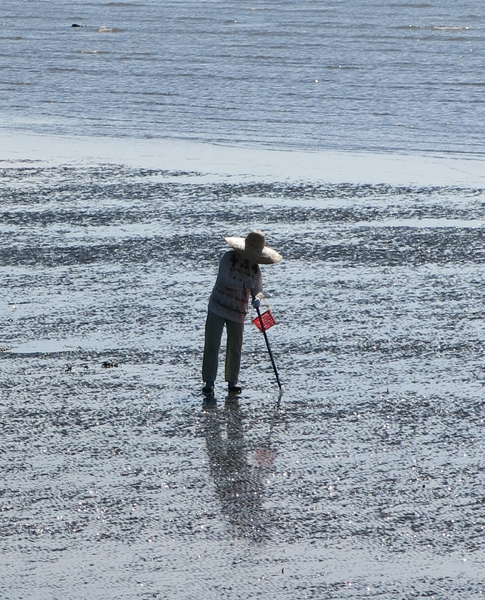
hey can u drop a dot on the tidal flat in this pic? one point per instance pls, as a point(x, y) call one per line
point(363, 479)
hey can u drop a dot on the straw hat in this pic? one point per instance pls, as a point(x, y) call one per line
point(253, 249)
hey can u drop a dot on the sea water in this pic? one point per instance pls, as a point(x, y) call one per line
point(356, 74)
point(365, 478)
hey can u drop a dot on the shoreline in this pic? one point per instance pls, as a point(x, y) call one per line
point(236, 162)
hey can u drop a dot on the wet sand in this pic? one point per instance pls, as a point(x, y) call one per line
point(214, 161)
point(365, 479)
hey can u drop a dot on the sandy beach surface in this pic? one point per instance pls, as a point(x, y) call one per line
point(364, 479)
point(330, 166)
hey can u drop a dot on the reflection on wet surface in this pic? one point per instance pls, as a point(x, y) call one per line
point(239, 478)
point(365, 480)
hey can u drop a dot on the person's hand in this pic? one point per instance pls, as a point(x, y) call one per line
point(256, 303)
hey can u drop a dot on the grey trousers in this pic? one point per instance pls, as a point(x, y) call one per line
point(213, 333)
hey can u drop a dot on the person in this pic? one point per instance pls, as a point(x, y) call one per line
point(239, 277)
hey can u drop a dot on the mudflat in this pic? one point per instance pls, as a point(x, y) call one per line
point(363, 479)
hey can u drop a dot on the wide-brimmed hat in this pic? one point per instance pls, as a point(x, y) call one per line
point(252, 247)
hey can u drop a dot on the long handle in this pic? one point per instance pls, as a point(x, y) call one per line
point(267, 345)
point(264, 333)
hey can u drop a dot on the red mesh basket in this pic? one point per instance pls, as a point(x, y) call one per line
point(267, 318)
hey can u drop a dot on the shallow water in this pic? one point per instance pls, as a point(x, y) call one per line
point(365, 479)
point(402, 75)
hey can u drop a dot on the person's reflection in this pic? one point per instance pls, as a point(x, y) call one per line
point(239, 481)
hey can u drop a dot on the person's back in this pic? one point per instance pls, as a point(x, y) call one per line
point(239, 277)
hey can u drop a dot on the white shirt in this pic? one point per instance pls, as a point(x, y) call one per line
point(235, 280)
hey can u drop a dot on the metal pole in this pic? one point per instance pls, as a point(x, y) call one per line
point(264, 333)
point(267, 344)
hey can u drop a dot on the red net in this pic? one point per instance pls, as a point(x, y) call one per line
point(267, 318)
